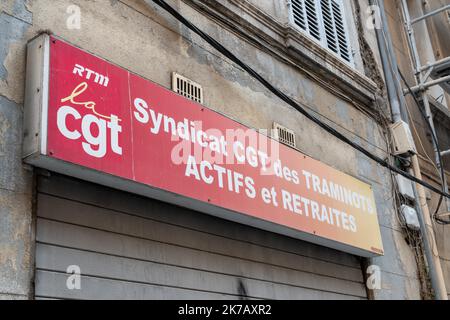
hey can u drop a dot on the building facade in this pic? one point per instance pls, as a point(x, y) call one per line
point(431, 47)
point(127, 246)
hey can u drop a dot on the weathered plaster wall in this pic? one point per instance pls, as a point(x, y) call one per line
point(16, 228)
point(146, 41)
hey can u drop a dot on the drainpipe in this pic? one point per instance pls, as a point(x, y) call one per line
point(396, 101)
point(390, 83)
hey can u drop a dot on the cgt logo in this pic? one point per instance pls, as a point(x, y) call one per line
point(95, 130)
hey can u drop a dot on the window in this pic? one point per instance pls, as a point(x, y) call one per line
point(324, 21)
point(187, 88)
point(284, 135)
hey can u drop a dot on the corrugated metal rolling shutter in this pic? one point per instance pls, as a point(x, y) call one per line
point(129, 247)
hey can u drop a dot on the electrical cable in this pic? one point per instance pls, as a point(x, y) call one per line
point(442, 172)
point(288, 100)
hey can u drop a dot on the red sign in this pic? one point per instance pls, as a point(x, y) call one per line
point(106, 119)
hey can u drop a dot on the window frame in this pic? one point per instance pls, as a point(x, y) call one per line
point(323, 36)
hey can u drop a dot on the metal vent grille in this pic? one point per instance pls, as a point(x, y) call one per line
point(187, 88)
point(324, 21)
point(284, 135)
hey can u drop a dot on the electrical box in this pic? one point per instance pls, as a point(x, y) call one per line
point(411, 218)
point(403, 140)
point(405, 187)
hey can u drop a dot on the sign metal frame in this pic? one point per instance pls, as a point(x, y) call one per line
point(35, 154)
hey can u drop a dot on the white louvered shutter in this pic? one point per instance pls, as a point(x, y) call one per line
point(324, 21)
point(305, 14)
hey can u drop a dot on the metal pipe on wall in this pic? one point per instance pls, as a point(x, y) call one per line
point(426, 226)
point(391, 62)
point(390, 84)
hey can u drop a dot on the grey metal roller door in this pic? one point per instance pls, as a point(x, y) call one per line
point(129, 247)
